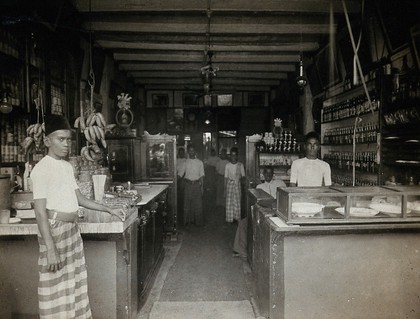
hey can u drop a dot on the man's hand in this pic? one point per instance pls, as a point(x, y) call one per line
point(53, 260)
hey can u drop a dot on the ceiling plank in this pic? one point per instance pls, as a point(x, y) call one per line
point(199, 88)
point(321, 6)
point(198, 81)
point(201, 28)
point(200, 58)
point(196, 66)
point(285, 47)
point(220, 74)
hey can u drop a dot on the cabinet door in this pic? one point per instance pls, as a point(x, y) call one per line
point(120, 158)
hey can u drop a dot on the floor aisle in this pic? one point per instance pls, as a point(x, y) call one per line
point(199, 278)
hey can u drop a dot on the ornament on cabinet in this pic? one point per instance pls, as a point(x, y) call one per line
point(277, 128)
point(124, 116)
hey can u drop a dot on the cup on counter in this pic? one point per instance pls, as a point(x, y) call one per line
point(4, 216)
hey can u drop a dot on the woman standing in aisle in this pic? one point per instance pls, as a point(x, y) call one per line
point(234, 176)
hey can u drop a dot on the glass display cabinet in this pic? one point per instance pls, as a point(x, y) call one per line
point(341, 205)
point(158, 166)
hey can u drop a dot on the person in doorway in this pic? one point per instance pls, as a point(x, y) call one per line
point(310, 170)
point(270, 187)
point(234, 177)
point(193, 172)
point(62, 289)
point(220, 179)
point(180, 170)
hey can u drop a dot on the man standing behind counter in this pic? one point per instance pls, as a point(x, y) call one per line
point(310, 171)
point(62, 289)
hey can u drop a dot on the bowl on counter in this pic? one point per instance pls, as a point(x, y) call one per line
point(23, 204)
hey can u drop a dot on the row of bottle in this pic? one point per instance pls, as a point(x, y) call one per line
point(344, 135)
point(12, 132)
point(10, 87)
point(57, 100)
point(277, 145)
point(349, 108)
point(9, 44)
point(364, 161)
point(345, 180)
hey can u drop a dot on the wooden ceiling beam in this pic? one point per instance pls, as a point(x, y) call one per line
point(199, 88)
point(285, 47)
point(191, 57)
point(195, 74)
point(188, 66)
point(200, 28)
point(217, 81)
point(320, 6)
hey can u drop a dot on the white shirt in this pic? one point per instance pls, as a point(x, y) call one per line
point(271, 187)
point(180, 162)
point(234, 171)
point(310, 172)
point(193, 168)
point(54, 180)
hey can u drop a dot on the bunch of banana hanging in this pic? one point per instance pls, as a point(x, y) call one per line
point(93, 128)
point(34, 139)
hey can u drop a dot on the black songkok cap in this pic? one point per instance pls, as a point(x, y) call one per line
point(56, 122)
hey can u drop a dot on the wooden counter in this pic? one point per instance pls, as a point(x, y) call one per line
point(336, 271)
point(120, 257)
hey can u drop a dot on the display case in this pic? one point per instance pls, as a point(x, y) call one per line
point(124, 159)
point(338, 205)
point(158, 166)
point(276, 152)
point(411, 200)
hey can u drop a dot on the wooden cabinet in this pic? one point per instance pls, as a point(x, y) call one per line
point(33, 82)
point(150, 245)
point(124, 159)
point(400, 133)
point(347, 118)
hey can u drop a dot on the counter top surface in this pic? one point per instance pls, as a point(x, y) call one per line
point(29, 227)
point(279, 225)
point(149, 192)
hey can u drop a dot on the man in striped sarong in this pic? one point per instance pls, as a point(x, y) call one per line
point(62, 289)
point(234, 176)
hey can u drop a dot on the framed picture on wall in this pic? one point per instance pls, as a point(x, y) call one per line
point(224, 100)
point(256, 99)
point(175, 120)
point(190, 100)
point(160, 100)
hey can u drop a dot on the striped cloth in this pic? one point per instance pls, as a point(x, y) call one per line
point(63, 294)
point(233, 201)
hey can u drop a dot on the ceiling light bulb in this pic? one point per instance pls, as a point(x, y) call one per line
point(301, 79)
point(207, 121)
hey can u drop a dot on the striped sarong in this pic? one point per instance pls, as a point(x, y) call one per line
point(64, 293)
point(233, 201)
